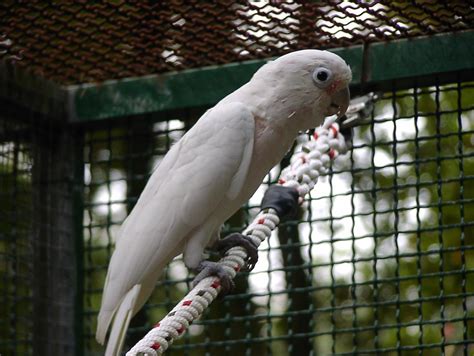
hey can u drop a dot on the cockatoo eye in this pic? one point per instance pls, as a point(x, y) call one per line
point(322, 77)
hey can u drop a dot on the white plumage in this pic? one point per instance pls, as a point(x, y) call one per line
point(211, 172)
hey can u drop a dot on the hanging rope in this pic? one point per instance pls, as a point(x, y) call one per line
point(306, 166)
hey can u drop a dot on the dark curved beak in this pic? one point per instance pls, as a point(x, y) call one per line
point(340, 102)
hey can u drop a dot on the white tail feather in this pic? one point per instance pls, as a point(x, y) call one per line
point(121, 319)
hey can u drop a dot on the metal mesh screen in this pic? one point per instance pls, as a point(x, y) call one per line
point(97, 41)
point(38, 223)
point(15, 245)
point(377, 262)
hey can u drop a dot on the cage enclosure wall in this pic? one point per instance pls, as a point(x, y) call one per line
point(379, 259)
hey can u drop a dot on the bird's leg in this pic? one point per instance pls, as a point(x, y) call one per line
point(237, 239)
point(208, 269)
point(284, 201)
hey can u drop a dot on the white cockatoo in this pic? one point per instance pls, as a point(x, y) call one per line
point(211, 172)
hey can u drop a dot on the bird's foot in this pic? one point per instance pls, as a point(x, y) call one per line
point(208, 269)
point(237, 239)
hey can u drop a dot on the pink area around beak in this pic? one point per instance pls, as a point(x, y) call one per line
point(334, 87)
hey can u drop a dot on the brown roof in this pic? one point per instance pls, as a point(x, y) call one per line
point(73, 42)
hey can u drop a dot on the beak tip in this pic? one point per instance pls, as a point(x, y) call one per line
point(339, 103)
point(343, 98)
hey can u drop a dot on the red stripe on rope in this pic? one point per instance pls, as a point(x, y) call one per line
point(216, 284)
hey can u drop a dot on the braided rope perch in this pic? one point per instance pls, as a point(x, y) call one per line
point(306, 166)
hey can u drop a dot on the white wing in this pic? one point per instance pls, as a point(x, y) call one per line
point(208, 164)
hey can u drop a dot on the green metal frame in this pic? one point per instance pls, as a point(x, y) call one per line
point(374, 66)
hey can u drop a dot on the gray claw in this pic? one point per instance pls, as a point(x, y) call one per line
point(208, 269)
point(237, 239)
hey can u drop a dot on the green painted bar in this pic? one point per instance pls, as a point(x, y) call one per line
point(170, 91)
point(421, 56)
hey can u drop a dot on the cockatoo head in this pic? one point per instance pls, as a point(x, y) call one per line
point(306, 85)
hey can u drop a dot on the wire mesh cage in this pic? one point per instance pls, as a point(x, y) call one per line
point(378, 259)
point(16, 198)
point(38, 257)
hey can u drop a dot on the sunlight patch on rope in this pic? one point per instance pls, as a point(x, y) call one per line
point(307, 165)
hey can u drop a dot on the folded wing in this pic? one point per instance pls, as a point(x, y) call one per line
point(209, 163)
